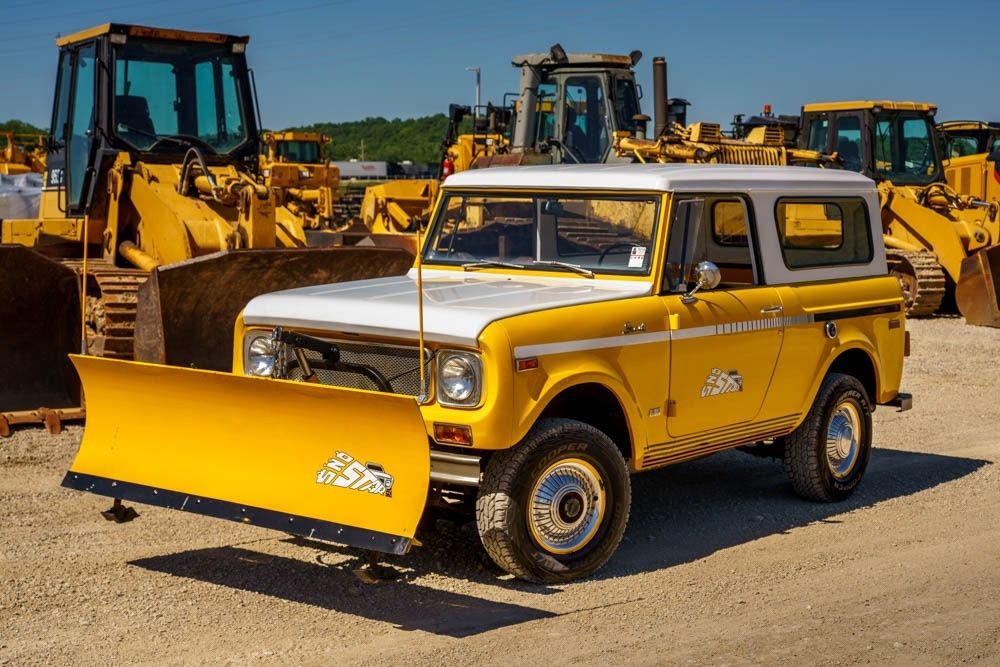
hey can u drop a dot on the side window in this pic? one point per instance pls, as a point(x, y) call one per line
point(848, 144)
point(729, 223)
point(545, 117)
point(959, 146)
point(723, 238)
point(823, 232)
point(585, 119)
point(817, 134)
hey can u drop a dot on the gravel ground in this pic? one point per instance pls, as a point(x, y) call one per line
point(721, 564)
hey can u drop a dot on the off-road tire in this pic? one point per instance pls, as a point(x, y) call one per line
point(537, 541)
point(826, 456)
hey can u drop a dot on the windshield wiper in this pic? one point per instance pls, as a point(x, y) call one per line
point(490, 263)
point(575, 268)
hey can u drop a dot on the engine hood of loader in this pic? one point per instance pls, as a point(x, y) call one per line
point(457, 306)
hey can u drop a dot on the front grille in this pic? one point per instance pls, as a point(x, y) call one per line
point(397, 364)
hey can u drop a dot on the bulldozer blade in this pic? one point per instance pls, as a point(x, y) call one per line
point(977, 292)
point(342, 465)
point(187, 310)
point(40, 325)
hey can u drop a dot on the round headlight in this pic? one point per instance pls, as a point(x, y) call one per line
point(459, 379)
point(261, 357)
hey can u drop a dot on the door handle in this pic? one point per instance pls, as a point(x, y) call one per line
point(772, 309)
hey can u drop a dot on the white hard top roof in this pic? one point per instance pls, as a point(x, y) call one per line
point(662, 177)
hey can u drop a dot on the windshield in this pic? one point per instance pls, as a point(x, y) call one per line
point(583, 234)
point(299, 151)
point(180, 90)
point(904, 149)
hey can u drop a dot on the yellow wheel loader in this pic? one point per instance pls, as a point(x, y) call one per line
point(155, 226)
point(22, 153)
point(970, 159)
point(938, 241)
point(305, 183)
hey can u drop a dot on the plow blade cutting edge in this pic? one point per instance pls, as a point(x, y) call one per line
point(341, 465)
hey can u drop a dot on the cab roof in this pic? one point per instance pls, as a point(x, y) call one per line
point(662, 178)
point(156, 33)
point(869, 104)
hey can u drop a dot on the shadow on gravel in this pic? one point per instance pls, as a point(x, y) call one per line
point(679, 514)
point(688, 511)
point(336, 588)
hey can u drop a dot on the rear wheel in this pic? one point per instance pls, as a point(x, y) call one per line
point(554, 508)
point(826, 456)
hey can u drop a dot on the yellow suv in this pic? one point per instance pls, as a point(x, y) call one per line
point(564, 327)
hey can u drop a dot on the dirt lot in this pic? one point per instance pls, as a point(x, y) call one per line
point(721, 564)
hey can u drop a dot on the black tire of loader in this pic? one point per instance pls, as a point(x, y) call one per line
point(502, 503)
point(805, 454)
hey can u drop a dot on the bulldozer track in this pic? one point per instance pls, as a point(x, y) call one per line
point(111, 317)
point(922, 280)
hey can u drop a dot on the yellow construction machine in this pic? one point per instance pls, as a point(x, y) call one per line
point(970, 157)
point(155, 226)
point(306, 184)
point(567, 108)
point(588, 95)
point(938, 242)
point(705, 143)
point(22, 153)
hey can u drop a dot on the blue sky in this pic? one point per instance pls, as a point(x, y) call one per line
point(346, 60)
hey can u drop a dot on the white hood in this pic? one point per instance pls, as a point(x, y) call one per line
point(457, 306)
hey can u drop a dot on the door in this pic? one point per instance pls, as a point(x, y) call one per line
point(724, 341)
point(73, 124)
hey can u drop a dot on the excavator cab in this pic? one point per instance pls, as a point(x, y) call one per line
point(572, 103)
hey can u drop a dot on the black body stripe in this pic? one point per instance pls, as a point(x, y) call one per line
point(857, 312)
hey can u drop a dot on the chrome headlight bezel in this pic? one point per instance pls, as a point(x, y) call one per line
point(260, 356)
point(459, 378)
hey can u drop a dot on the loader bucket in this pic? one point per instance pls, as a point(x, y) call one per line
point(977, 292)
point(39, 326)
point(342, 465)
point(187, 310)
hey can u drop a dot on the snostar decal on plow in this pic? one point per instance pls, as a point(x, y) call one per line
point(285, 455)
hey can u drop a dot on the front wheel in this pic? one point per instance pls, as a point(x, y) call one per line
point(554, 507)
point(826, 456)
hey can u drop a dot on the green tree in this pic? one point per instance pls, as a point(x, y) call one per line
point(417, 139)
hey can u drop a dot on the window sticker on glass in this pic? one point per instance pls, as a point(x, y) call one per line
point(637, 257)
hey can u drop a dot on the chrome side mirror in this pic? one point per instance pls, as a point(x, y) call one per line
point(707, 276)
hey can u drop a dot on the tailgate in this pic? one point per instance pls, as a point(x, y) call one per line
point(342, 465)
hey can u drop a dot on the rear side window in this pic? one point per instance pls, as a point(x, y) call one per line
point(823, 232)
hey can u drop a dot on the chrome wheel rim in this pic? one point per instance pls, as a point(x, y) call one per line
point(566, 507)
point(842, 445)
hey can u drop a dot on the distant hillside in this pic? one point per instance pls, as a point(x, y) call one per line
point(20, 127)
point(415, 139)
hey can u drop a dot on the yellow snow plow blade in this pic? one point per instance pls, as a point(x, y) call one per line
point(342, 465)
